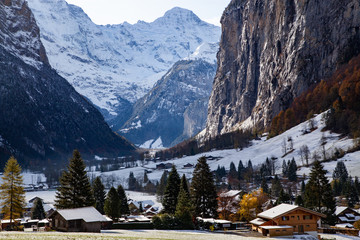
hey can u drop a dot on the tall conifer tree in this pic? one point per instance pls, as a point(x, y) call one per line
point(318, 194)
point(75, 190)
point(124, 206)
point(112, 204)
point(162, 185)
point(184, 206)
point(12, 194)
point(171, 191)
point(99, 194)
point(37, 211)
point(203, 191)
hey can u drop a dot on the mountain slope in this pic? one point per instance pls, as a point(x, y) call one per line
point(264, 148)
point(41, 115)
point(115, 65)
point(176, 108)
point(271, 51)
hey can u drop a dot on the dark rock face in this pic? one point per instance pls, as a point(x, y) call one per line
point(19, 32)
point(175, 108)
point(42, 117)
point(273, 50)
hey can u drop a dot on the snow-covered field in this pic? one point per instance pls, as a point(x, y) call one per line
point(258, 152)
point(140, 234)
point(49, 197)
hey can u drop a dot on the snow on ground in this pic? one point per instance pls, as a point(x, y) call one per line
point(136, 234)
point(49, 197)
point(258, 152)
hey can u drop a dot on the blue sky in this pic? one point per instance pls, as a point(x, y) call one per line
point(118, 11)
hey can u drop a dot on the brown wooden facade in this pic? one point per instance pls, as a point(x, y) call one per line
point(79, 225)
point(298, 220)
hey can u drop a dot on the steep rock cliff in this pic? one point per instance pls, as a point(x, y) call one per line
point(42, 117)
point(271, 51)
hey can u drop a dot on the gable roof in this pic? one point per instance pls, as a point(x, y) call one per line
point(283, 209)
point(339, 210)
point(88, 214)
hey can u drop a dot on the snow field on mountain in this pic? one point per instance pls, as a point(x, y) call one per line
point(258, 152)
point(114, 62)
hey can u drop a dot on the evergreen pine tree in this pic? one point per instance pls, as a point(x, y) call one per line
point(184, 207)
point(233, 174)
point(124, 206)
point(203, 191)
point(264, 186)
point(292, 168)
point(112, 204)
point(284, 169)
point(340, 172)
point(75, 190)
point(351, 193)
point(318, 195)
point(132, 182)
point(12, 193)
point(162, 185)
point(146, 179)
point(99, 194)
point(241, 169)
point(184, 185)
point(283, 197)
point(37, 211)
point(302, 187)
point(299, 201)
point(171, 191)
point(276, 187)
point(141, 209)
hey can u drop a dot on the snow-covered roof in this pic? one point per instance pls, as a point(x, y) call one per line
point(277, 211)
point(276, 227)
point(344, 225)
point(257, 221)
point(88, 214)
point(282, 209)
point(339, 210)
point(231, 193)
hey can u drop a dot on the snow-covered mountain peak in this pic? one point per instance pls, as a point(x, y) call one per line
point(206, 52)
point(179, 15)
point(115, 65)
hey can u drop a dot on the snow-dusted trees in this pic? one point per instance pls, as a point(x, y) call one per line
point(304, 154)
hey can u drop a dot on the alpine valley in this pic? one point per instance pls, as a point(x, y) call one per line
point(116, 67)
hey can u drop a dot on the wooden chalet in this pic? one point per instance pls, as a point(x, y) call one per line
point(286, 219)
point(346, 215)
point(86, 219)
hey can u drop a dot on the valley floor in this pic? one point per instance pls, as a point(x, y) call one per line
point(147, 234)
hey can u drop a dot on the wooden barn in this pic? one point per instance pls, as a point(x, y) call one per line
point(86, 219)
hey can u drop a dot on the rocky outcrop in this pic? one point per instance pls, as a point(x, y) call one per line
point(273, 50)
point(42, 117)
point(175, 108)
point(19, 32)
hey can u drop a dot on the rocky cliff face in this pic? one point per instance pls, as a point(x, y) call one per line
point(19, 32)
point(41, 115)
point(271, 51)
point(161, 117)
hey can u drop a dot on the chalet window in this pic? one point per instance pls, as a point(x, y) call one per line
point(277, 230)
point(285, 218)
point(307, 225)
point(292, 216)
point(307, 217)
point(298, 217)
point(284, 230)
